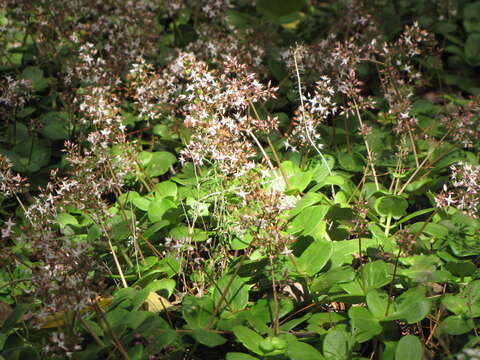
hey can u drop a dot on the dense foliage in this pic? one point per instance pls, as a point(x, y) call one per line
point(238, 179)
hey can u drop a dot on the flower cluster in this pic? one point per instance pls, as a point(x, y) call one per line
point(213, 44)
point(462, 122)
point(465, 191)
point(399, 73)
point(14, 94)
point(406, 241)
point(206, 9)
point(10, 183)
point(219, 105)
point(118, 28)
point(315, 109)
point(60, 345)
point(395, 63)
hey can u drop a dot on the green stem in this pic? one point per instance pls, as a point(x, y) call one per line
point(388, 225)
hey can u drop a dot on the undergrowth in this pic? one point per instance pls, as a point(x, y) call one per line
point(239, 179)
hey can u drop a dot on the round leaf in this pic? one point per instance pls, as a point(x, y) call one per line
point(409, 347)
point(159, 163)
point(391, 205)
point(456, 325)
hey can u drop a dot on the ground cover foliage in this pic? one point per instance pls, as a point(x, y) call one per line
point(239, 179)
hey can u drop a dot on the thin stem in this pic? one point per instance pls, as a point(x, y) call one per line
point(265, 155)
point(224, 293)
point(414, 148)
point(276, 323)
point(90, 330)
point(277, 159)
point(115, 258)
point(116, 340)
point(410, 179)
point(389, 303)
point(369, 152)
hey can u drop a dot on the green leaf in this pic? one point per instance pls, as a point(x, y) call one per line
point(120, 230)
point(239, 19)
point(324, 281)
point(309, 221)
point(257, 323)
point(65, 219)
point(415, 214)
point(139, 298)
point(157, 208)
point(389, 350)
point(319, 168)
point(343, 251)
point(298, 350)
point(239, 356)
point(338, 345)
point(466, 303)
point(183, 232)
point(35, 75)
point(365, 326)
point(461, 268)
point(56, 125)
point(391, 205)
point(30, 155)
point(163, 336)
point(472, 295)
point(241, 241)
point(454, 303)
point(409, 347)
point(139, 201)
point(208, 337)
point(298, 179)
point(117, 317)
point(136, 318)
point(235, 298)
point(471, 21)
point(377, 302)
point(472, 49)
point(315, 257)
point(351, 161)
point(375, 275)
point(168, 285)
point(249, 338)
point(412, 306)
point(299, 182)
point(16, 133)
point(154, 228)
point(264, 309)
point(197, 311)
point(166, 189)
point(289, 325)
point(123, 296)
point(159, 163)
point(456, 325)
